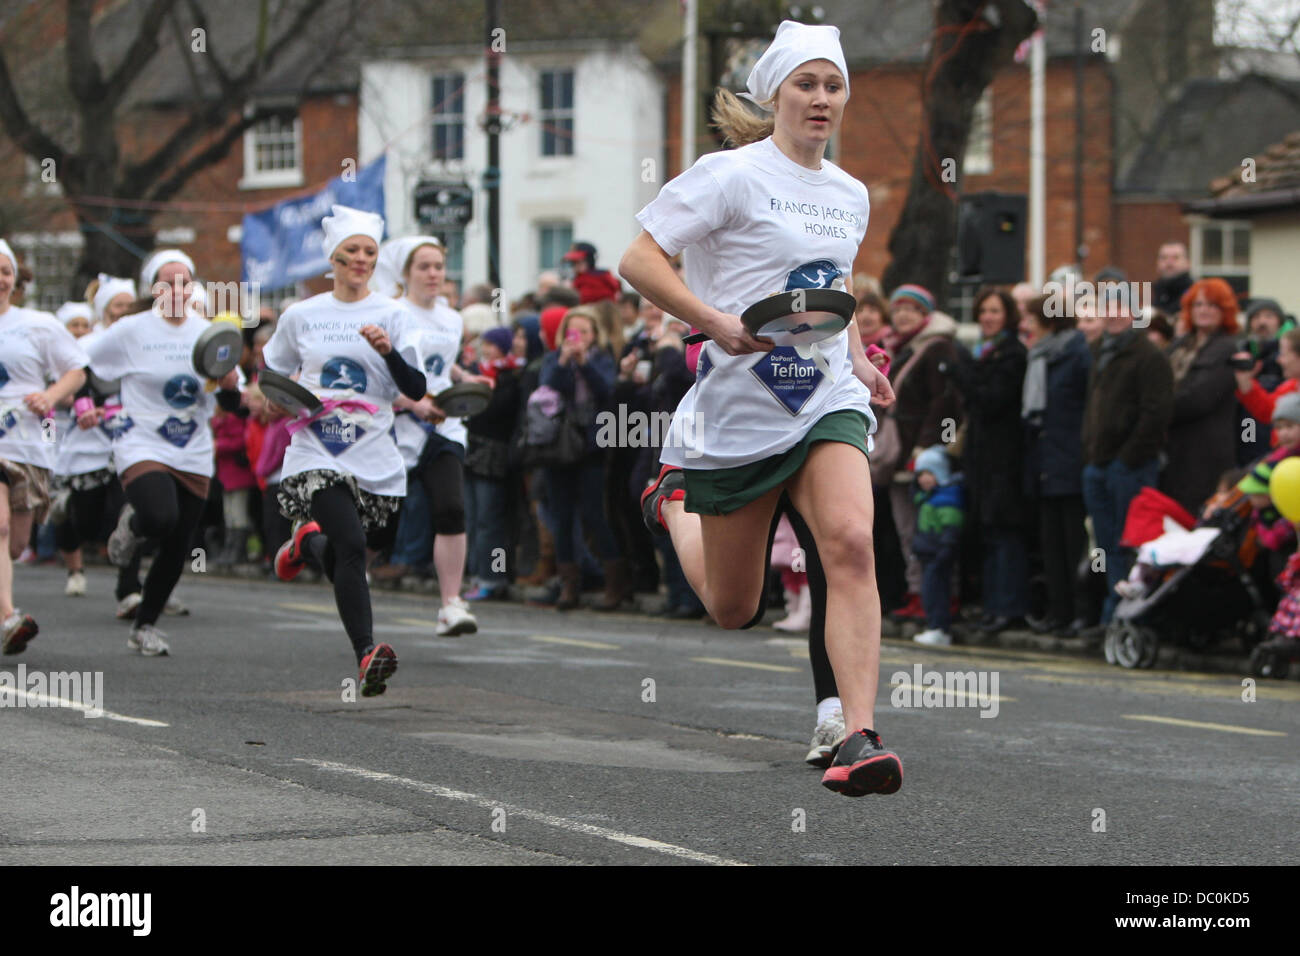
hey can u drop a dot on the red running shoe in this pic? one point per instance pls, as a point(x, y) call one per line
point(376, 667)
point(290, 559)
point(864, 766)
point(669, 486)
point(18, 629)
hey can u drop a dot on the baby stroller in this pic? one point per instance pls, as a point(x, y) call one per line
point(1209, 593)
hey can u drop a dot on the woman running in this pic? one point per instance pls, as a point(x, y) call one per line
point(163, 447)
point(432, 444)
point(772, 216)
point(343, 475)
point(85, 464)
point(34, 349)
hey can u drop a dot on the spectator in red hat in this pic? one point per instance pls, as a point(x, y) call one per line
point(592, 284)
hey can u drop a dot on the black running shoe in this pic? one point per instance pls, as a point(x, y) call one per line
point(864, 766)
point(669, 486)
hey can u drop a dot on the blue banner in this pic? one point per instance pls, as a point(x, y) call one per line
point(282, 245)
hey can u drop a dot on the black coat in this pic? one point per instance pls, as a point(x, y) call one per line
point(993, 454)
point(1204, 430)
point(1053, 439)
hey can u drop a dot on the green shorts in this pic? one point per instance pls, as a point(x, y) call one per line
point(720, 491)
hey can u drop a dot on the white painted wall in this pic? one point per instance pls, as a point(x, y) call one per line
point(615, 170)
point(1274, 252)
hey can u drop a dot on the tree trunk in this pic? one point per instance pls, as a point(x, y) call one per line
point(971, 41)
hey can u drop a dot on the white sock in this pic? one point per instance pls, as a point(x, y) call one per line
point(827, 707)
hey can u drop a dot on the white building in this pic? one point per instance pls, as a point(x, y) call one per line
point(582, 149)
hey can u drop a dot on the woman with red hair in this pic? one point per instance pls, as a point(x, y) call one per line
point(1203, 433)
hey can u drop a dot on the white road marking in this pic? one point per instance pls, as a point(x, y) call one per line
point(755, 665)
point(597, 645)
point(573, 826)
point(45, 700)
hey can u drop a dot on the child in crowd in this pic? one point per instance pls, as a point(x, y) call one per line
point(786, 559)
point(940, 513)
point(236, 479)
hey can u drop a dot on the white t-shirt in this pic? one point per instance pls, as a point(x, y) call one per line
point(320, 337)
point(82, 451)
point(35, 349)
point(165, 407)
point(438, 331)
point(753, 222)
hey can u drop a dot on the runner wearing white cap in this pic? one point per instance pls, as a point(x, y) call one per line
point(343, 475)
point(93, 494)
point(771, 216)
point(34, 349)
point(162, 446)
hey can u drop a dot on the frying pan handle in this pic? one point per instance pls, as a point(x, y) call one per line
point(695, 338)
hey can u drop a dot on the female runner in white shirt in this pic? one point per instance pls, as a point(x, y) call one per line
point(768, 217)
point(343, 475)
point(432, 444)
point(163, 449)
point(85, 459)
point(34, 348)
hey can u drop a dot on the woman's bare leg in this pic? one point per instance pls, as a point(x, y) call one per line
point(723, 556)
point(6, 557)
point(833, 493)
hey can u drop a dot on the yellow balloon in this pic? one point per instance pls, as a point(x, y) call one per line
point(1284, 487)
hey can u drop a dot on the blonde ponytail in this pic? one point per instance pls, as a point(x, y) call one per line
point(737, 122)
point(90, 293)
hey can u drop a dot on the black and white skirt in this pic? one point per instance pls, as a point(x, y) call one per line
point(297, 491)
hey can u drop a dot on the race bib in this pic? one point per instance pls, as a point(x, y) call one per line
point(791, 380)
point(178, 431)
point(337, 436)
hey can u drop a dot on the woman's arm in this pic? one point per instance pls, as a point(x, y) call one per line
point(649, 270)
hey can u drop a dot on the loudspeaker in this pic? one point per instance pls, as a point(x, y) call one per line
point(991, 237)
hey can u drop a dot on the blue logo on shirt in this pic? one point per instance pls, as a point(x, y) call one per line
point(337, 436)
point(340, 372)
point(818, 274)
point(7, 421)
point(181, 391)
point(434, 364)
point(790, 379)
point(704, 365)
point(178, 431)
point(4, 375)
point(117, 425)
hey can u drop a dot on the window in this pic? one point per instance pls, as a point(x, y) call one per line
point(448, 116)
point(556, 115)
point(979, 144)
point(1221, 248)
point(53, 259)
point(273, 152)
point(553, 241)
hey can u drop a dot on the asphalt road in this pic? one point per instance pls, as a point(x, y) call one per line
point(535, 741)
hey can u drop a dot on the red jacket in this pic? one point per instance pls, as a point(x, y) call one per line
point(232, 460)
point(595, 286)
point(1260, 403)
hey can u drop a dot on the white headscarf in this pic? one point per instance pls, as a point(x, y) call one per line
point(110, 287)
point(72, 310)
point(9, 253)
point(346, 222)
point(794, 45)
point(153, 265)
point(392, 256)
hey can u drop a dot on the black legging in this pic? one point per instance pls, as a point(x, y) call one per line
point(443, 479)
point(91, 515)
point(165, 511)
point(823, 675)
point(339, 552)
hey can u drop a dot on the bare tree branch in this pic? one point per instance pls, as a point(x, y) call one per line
point(35, 142)
point(142, 50)
point(214, 63)
point(84, 78)
point(213, 152)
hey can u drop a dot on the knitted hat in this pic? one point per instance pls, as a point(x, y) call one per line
point(1265, 305)
point(552, 316)
point(1287, 407)
point(914, 293)
point(935, 460)
point(501, 337)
